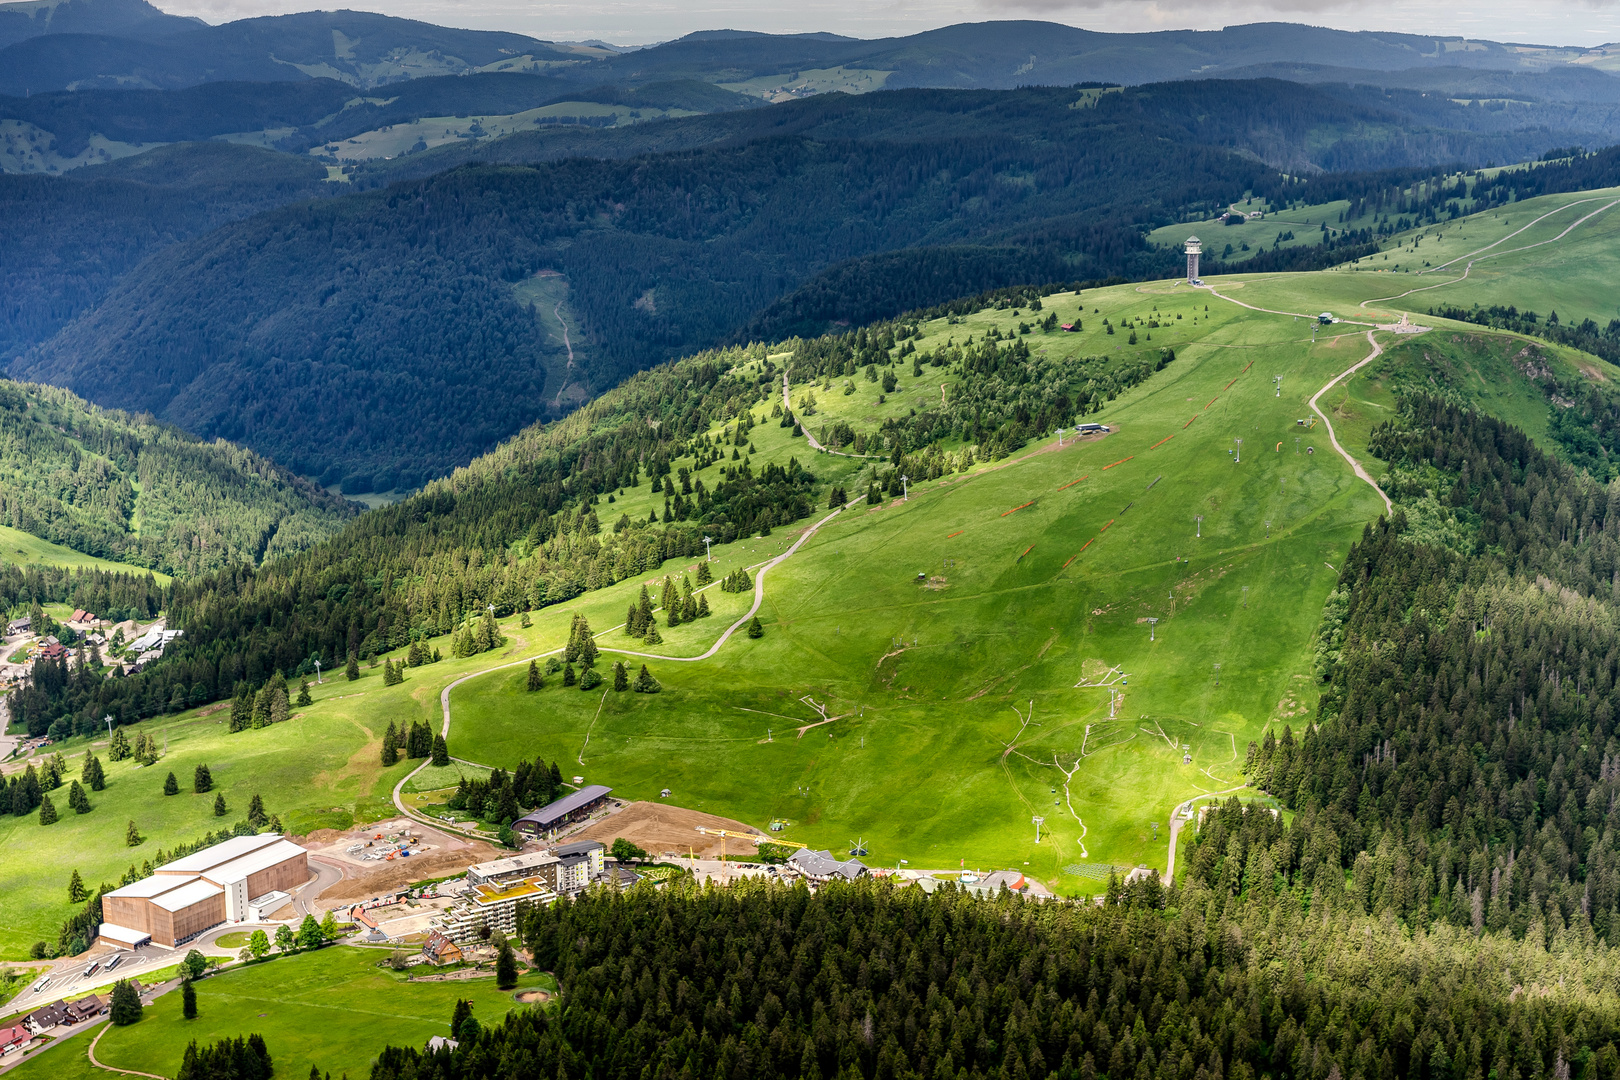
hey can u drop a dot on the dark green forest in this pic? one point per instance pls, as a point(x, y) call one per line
point(65, 241)
point(1198, 982)
point(128, 489)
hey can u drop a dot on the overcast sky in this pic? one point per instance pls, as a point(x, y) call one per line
point(635, 22)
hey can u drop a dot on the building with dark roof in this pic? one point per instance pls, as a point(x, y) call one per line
point(566, 810)
point(822, 866)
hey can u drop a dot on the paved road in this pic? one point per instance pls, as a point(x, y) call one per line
point(1176, 822)
point(327, 873)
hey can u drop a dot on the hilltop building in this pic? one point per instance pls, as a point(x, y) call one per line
point(228, 882)
point(1195, 247)
point(566, 810)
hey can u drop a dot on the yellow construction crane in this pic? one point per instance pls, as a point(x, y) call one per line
point(754, 838)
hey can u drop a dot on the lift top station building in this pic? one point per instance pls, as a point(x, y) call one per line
point(219, 884)
point(1195, 247)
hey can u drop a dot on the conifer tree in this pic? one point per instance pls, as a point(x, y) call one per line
point(201, 780)
point(256, 816)
point(261, 707)
point(703, 611)
point(278, 704)
point(219, 804)
point(352, 671)
point(535, 680)
point(704, 575)
point(78, 800)
point(645, 683)
point(621, 677)
point(47, 811)
point(126, 1004)
point(188, 999)
point(630, 620)
point(670, 602)
point(171, 786)
point(653, 636)
point(303, 694)
point(441, 752)
point(755, 630)
point(132, 836)
point(568, 675)
point(390, 746)
point(241, 711)
point(94, 774)
point(76, 890)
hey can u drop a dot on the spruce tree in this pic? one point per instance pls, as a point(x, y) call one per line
point(353, 668)
point(47, 811)
point(76, 890)
point(703, 611)
point(219, 804)
point(126, 1004)
point(535, 681)
point(670, 602)
point(171, 786)
point(78, 799)
point(201, 781)
point(132, 836)
point(278, 704)
point(645, 683)
point(390, 746)
point(242, 711)
point(303, 694)
point(506, 973)
point(630, 621)
point(256, 815)
point(755, 630)
point(441, 752)
point(460, 1013)
point(621, 677)
point(95, 776)
point(704, 575)
point(568, 675)
point(653, 636)
point(188, 999)
point(261, 708)
point(589, 679)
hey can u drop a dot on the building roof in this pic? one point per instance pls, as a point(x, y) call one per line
point(254, 861)
point(439, 1040)
point(47, 1016)
point(194, 892)
point(218, 854)
point(123, 934)
point(566, 805)
point(146, 888)
point(14, 1033)
point(579, 847)
point(514, 864)
point(508, 890)
point(822, 864)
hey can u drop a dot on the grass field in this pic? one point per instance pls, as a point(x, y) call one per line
point(932, 759)
point(1038, 576)
point(334, 1009)
point(19, 547)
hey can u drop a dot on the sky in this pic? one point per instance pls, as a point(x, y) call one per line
point(640, 22)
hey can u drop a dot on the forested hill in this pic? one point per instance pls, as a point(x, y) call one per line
point(134, 491)
point(64, 241)
point(387, 337)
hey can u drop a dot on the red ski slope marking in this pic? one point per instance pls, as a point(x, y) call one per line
point(1071, 483)
point(1121, 461)
point(1161, 442)
point(1015, 509)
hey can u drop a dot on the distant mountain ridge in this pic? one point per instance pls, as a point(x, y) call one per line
point(85, 43)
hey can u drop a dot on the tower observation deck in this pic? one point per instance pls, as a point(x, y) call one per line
point(1194, 248)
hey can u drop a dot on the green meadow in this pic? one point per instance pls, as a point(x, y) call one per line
point(19, 547)
point(333, 1009)
point(983, 647)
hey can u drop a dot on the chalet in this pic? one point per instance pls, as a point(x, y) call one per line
point(440, 949)
point(20, 626)
point(822, 866)
point(84, 1009)
point(43, 1019)
point(15, 1037)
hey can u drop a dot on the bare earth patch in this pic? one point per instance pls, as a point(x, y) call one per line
point(659, 827)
